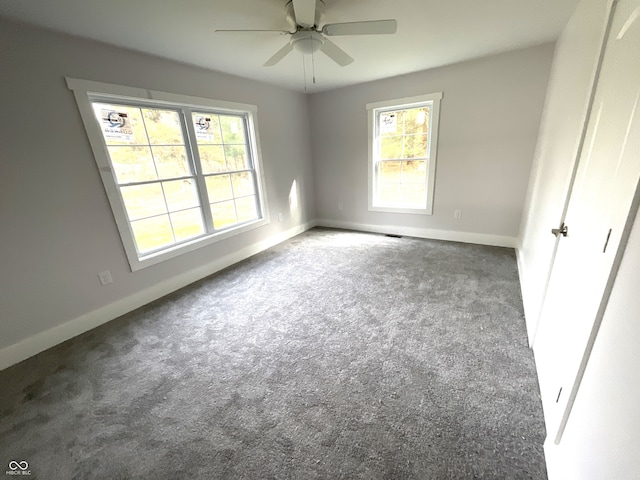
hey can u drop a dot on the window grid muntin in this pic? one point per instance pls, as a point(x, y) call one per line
point(194, 163)
point(249, 162)
point(140, 105)
point(378, 112)
point(235, 197)
point(159, 180)
point(378, 135)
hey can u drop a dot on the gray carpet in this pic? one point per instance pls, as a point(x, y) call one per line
point(334, 355)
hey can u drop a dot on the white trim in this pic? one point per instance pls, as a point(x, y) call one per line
point(86, 90)
point(196, 243)
point(522, 275)
point(195, 102)
point(42, 341)
point(136, 93)
point(433, 234)
point(89, 86)
point(406, 101)
point(433, 100)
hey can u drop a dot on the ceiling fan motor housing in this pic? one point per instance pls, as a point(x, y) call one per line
point(307, 41)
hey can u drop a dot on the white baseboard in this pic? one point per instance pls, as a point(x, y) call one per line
point(553, 460)
point(450, 235)
point(42, 341)
point(528, 314)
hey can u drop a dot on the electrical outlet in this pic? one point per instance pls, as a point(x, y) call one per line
point(340, 206)
point(280, 217)
point(105, 277)
point(457, 214)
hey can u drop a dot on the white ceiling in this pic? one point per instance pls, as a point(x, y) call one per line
point(430, 33)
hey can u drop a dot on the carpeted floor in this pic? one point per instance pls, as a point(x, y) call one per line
point(333, 355)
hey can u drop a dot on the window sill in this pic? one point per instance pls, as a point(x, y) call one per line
point(177, 250)
point(413, 211)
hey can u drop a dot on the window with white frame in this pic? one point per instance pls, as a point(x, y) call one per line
point(180, 172)
point(402, 153)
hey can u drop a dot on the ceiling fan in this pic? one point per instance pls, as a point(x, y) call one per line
point(310, 35)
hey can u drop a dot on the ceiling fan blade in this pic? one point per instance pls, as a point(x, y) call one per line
point(374, 27)
point(279, 55)
point(335, 53)
point(305, 12)
point(280, 32)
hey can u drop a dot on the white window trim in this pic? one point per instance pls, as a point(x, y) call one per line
point(83, 89)
point(434, 120)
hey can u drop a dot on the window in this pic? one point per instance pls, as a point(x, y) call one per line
point(402, 154)
point(180, 172)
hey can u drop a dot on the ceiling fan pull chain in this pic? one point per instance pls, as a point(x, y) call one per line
point(304, 73)
point(313, 66)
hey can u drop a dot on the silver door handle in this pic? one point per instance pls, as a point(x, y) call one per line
point(563, 230)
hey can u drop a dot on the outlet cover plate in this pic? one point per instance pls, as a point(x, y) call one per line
point(105, 277)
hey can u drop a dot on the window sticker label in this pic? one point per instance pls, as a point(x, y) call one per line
point(117, 125)
point(203, 128)
point(388, 122)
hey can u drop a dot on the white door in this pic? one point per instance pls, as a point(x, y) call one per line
point(565, 115)
point(597, 221)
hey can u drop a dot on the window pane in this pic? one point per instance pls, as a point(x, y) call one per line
point(219, 188)
point(159, 172)
point(242, 184)
point(212, 159)
point(246, 208)
point(143, 200)
point(207, 127)
point(389, 172)
point(390, 147)
point(152, 233)
point(224, 214)
point(132, 164)
point(414, 195)
point(388, 193)
point(414, 171)
point(120, 124)
point(171, 161)
point(232, 129)
point(180, 194)
point(415, 146)
point(416, 120)
point(187, 224)
point(163, 126)
point(236, 157)
point(390, 123)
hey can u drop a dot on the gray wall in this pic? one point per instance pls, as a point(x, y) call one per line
point(56, 228)
point(489, 122)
